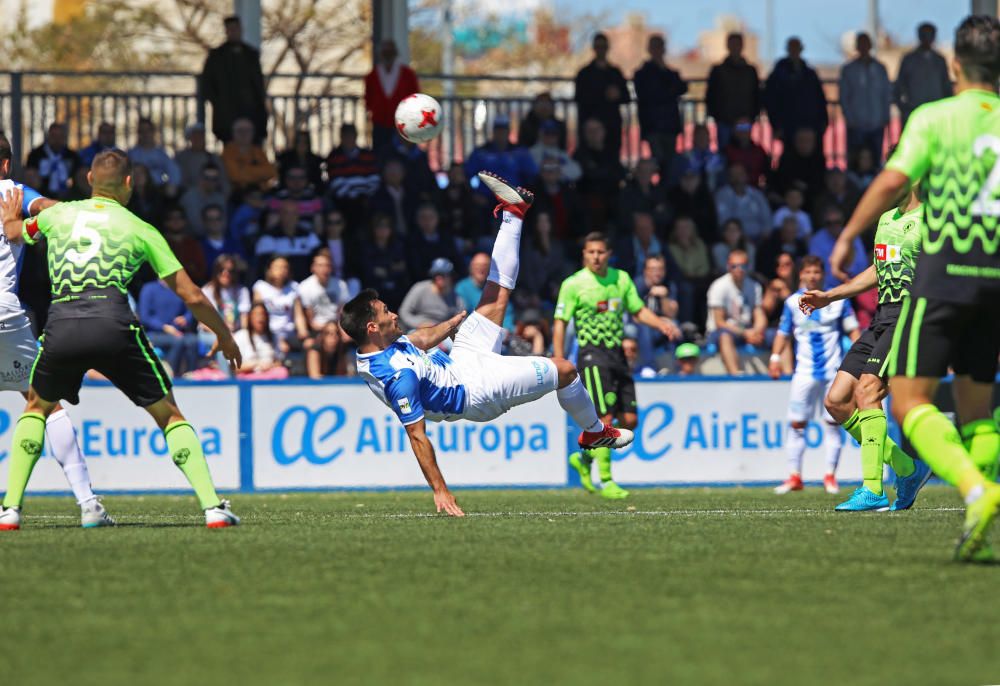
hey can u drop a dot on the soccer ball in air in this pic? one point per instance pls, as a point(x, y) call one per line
point(418, 118)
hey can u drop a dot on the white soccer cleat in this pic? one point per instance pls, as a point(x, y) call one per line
point(220, 516)
point(609, 437)
point(10, 518)
point(515, 200)
point(93, 515)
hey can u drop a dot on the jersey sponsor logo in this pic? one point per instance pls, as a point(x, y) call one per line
point(609, 305)
point(888, 253)
point(404, 405)
point(539, 372)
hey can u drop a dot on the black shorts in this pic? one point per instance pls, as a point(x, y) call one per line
point(870, 353)
point(118, 349)
point(933, 335)
point(609, 382)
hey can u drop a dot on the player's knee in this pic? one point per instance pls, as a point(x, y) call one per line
point(566, 371)
point(837, 407)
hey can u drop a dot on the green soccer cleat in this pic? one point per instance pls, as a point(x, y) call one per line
point(973, 546)
point(612, 491)
point(581, 463)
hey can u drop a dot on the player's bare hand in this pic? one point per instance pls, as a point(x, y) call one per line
point(813, 300)
point(774, 369)
point(754, 337)
point(10, 206)
point(445, 501)
point(670, 330)
point(227, 346)
point(454, 323)
point(840, 257)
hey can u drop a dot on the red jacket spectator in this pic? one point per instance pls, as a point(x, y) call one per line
point(387, 84)
point(743, 150)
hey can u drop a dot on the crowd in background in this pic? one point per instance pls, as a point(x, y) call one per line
point(710, 235)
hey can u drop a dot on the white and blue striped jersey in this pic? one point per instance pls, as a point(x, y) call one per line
point(10, 256)
point(414, 384)
point(818, 350)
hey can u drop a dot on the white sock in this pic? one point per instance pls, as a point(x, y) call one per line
point(506, 251)
point(60, 436)
point(796, 449)
point(833, 438)
point(578, 405)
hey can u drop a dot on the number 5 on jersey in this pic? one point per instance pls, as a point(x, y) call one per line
point(87, 238)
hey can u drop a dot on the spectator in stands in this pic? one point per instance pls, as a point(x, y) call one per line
point(230, 297)
point(185, 246)
point(923, 74)
point(542, 110)
point(322, 295)
point(710, 165)
point(801, 165)
point(290, 240)
point(641, 194)
point(301, 192)
point(192, 159)
point(735, 314)
point(776, 293)
point(547, 148)
point(428, 243)
point(794, 201)
point(169, 325)
point(163, 171)
point(392, 199)
point(383, 263)
point(543, 263)
point(743, 150)
point(385, 86)
point(862, 169)
point(105, 140)
point(433, 300)
point(733, 91)
point(532, 335)
point(54, 161)
point(658, 91)
point(80, 189)
point(470, 289)
point(217, 240)
point(420, 180)
point(513, 163)
point(232, 80)
point(602, 175)
point(353, 176)
point(561, 201)
point(146, 201)
point(247, 218)
point(837, 192)
point(688, 357)
point(331, 348)
point(794, 96)
point(865, 96)
point(301, 155)
point(822, 244)
point(208, 191)
point(732, 239)
point(784, 240)
point(654, 290)
point(691, 256)
point(258, 347)
point(245, 162)
point(279, 293)
point(334, 224)
point(691, 198)
point(632, 249)
point(739, 200)
point(463, 213)
point(600, 91)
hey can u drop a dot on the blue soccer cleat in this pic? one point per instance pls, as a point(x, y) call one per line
point(863, 500)
point(907, 487)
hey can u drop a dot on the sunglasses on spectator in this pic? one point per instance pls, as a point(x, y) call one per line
point(737, 267)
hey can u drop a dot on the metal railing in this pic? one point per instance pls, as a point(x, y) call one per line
point(319, 103)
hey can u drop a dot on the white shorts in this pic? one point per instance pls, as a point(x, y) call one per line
point(806, 398)
point(18, 349)
point(494, 383)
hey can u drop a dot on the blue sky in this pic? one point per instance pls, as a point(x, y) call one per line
point(819, 23)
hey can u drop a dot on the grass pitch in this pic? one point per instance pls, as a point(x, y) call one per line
point(728, 586)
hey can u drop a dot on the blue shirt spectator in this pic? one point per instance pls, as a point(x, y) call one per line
point(105, 140)
point(169, 326)
point(470, 289)
point(823, 241)
point(162, 169)
point(503, 159)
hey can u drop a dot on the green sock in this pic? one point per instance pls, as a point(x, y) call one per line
point(939, 445)
point(981, 439)
point(900, 462)
point(603, 458)
point(853, 426)
point(873, 434)
point(186, 452)
point(25, 449)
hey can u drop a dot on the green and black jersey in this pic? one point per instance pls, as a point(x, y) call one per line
point(96, 246)
point(952, 147)
point(597, 305)
point(897, 247)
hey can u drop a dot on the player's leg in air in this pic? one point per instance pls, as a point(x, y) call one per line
point(571, 393)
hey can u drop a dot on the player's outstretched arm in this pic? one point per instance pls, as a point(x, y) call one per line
point(883, 192)
point(663, 325)
point(774, 364)
point(424, 452)
point(817, 300)
point(203, 310)
point(430, 336)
